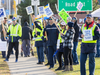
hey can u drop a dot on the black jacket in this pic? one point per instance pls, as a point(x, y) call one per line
point(76, 28)
point(26, 32)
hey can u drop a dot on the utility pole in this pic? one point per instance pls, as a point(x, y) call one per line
point(35, 10)
point(9, 7)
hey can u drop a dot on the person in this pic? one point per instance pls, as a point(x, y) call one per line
point(2, 36)
point(60, 46)
point(98, 41)
point(88, 46)
point(15, 32)
point(38, 40)
point(26, 37)
point(52, 34)
point(68, 46)
point(75, 42)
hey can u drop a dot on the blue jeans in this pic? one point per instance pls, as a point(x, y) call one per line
point(51, 51)
point(3, 52)
point(40, 54)
point(98, 48)
point(83, 59)
point(74, 52)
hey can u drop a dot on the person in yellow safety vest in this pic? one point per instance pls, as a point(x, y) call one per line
point(39, 41)
point(60, 46)
point(89, 34)
point(15, 32)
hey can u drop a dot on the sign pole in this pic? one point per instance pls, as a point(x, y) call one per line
point(33, 23)
point(4, 33)
point(44, 27)
point(75, 13)
point(56, 24)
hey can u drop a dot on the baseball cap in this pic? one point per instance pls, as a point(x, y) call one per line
point(63, 23)
point(9, 21)
point(13, 19)
point(89, 15)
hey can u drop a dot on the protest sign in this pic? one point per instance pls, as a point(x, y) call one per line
point(88, 35)
point(29, 10)
point(63, 15)
point(3, 46)
point(48, 12)
point(35, 2)
point(79, 6)
point(41, 10)
point(2, 13)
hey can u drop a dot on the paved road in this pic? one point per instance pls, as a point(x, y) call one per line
point(27, 66)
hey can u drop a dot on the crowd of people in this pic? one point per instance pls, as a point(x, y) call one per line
point(60, 45)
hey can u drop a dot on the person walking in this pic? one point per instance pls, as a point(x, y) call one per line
point(98, 41)
point(75, 42)
point(52, 35)
point(2, 36)
point(15, 32)
point(68, 46)
point(26, 37)
point(88, 46)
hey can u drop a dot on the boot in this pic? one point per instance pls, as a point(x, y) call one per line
point(66, 68)
point(71, 68)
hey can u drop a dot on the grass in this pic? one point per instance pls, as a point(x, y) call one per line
point(4, 69)
point(76, 67)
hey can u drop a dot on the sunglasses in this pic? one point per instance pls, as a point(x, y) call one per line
point(50, 19)
point(61, 26)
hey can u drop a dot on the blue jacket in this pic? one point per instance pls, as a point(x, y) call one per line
point(52, 34)
point(98, 25)
point(90, 47)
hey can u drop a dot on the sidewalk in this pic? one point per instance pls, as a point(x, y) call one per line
point(27, 66)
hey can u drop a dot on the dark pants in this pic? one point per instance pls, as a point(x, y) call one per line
point(60, 60)
point(45, 49)
point(26, 47)
point(51, 51)
point(74, 52)
point(83, 59)
point(98, 49)
point(40, 54)
point(11, 46)
point(67, 56)
point(3, 52)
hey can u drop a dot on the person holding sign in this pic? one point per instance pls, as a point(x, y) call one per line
point(89, 34)
point(52, 34)
point(60, 46)
point(38, 40)
point(74, 51)
point(15, 32)
point(2, 35)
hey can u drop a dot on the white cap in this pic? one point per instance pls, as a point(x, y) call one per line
point(63, 23)
point(9, 21)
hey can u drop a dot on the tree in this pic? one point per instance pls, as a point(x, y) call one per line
point(22, 10)
point(95, 4)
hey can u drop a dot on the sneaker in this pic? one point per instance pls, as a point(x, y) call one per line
point(59, 68)
point(47, 64)
point(6, 59)
point(75, 63)
point(16, 60)
point(50, 67)
point(28, 55)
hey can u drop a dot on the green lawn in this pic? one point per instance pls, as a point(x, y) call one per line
point(4, 69)
point(76, 67)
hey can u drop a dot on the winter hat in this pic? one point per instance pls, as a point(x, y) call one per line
point(74, 18)
point(70, 24)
